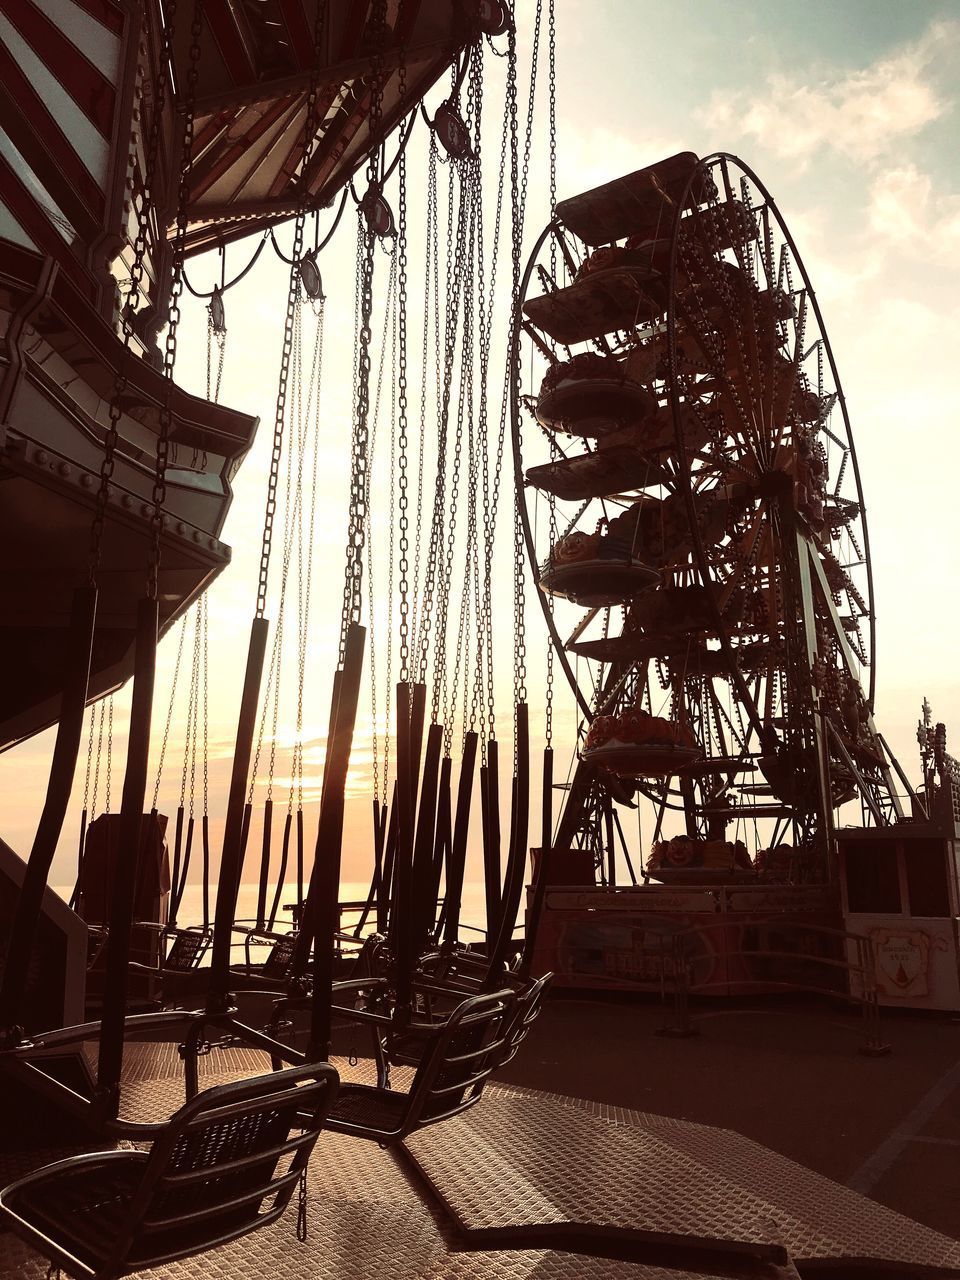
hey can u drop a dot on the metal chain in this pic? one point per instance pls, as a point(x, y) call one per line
point(391, 557)
point(220, 337)
point(554, 448)
point(518, 191)
point(293, 537)
point(444, 366)
point(206, 705)
point(552, 101)
point(86, 780)
point(291, 521)
point(170, 704)
point(479, 461)
point(431, 292)
point(492, 487)
point(303, 200)
point(389, 325)
point(193, 715)
point(109, 779)
point(353, 573)
point(464, 415)
point(401, 400)
point(437, 579)
point(112, 434)
point(452, 686)
point(286, 350)
point(304, 590)
point(96, 772)
point(459, 267)
point(173, 313)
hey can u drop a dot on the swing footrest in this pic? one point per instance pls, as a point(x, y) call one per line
point(368, 1107)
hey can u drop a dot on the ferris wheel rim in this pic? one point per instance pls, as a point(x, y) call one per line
point(553, 226)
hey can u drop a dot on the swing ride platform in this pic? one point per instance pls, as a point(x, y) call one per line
point(538, 1184)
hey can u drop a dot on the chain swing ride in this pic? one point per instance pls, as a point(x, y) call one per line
point(455, 1026)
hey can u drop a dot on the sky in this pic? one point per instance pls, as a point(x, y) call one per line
point(848, 113)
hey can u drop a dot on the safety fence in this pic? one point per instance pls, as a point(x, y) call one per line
point(851, 960)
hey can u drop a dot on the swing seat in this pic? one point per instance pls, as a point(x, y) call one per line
point(529, 997)
point(181, 951)
point(187, 948)
point(225, 1165)
point(276, 965)
point(457, 1059)
point(97, 937)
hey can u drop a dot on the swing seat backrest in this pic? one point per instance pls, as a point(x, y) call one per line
point(277, 963)
point(187, 950)
point(457, 1059)
point(226, 1164)
point(96, 945)
point(369, 962)
point(525, 1013)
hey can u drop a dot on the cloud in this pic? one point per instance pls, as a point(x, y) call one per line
point(862, 115)
point(904, 208)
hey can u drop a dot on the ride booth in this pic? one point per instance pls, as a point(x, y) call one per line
point(900, 887)
point(732, 938)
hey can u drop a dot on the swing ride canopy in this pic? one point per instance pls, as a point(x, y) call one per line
point(252, 99)
point(73, 198)
point(172, 124)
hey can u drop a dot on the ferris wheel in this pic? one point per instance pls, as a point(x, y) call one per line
point(693, 510)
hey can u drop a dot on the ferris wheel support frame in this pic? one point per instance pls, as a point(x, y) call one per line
point(820, 580)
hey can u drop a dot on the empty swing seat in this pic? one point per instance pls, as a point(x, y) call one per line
point(226, 1164)
point(276, 966)
point(525, 1013)
point(457, 1059)
point(176, 974)
point(186, 949)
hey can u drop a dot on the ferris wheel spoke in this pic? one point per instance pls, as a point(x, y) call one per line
point(765, 243)
point(719, 716)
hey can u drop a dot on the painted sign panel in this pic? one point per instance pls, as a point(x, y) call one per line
point(623, 952)
point(653, 898)
point(917, 964)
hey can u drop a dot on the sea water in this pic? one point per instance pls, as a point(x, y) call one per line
point(472, 910)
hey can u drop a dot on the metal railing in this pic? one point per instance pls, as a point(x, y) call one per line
point(860, 970)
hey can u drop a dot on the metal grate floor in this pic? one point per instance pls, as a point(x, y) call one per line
point(523, 1158)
